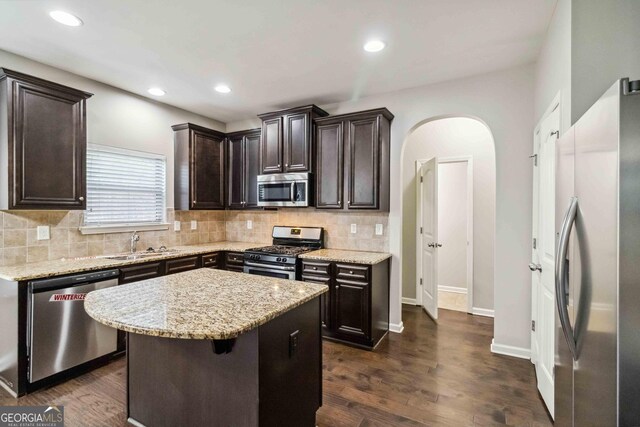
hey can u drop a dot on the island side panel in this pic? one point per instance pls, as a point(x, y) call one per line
point(291, 378)
point(183, 382)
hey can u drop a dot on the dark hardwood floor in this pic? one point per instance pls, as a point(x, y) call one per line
point(433, 376)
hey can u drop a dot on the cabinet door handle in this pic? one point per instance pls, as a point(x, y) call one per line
point(278, 164)
point(337, 287)
point(81, 198)
point(350, 271)
point(194, 201)
point(286, 165)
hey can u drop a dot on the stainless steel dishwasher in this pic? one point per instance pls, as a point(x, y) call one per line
point(61, 334)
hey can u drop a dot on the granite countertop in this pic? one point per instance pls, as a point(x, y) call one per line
point(198, 304)
point(39, 270)
point(354, 257)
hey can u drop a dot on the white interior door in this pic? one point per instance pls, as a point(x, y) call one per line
point(427, 232)
point(543, 258)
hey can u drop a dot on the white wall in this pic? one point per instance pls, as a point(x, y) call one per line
point(553, 68)
point(504, 101)
point(119, 118)
point(452, 225)
point(453, 137)
point(605, 37)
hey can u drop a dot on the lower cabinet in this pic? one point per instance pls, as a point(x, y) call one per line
point(234, 261)
point(356, 308)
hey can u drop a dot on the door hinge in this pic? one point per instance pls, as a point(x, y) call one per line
point(420, 230)
point(421, 179)
point(421, 281)
point(535, 243)
point(533, 325)
point(535, 159)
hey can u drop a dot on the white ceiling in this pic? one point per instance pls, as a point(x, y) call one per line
point(275, 53)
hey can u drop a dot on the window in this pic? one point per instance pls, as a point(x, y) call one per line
point(126, 190)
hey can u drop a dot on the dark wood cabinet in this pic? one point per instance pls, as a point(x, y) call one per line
point(288, 137)
point(234, 261)
point(243, 165)
point(43, 139)
point(330, 165)
point(362, 175)
point(137, 272)
point(199, 175)
point(356, 308)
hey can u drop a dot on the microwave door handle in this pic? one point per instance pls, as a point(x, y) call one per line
point(292, 196)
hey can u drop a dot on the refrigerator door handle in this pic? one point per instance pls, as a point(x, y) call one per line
point(562, 276)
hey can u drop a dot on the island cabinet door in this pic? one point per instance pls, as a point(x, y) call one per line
point(330, 166)
point(272, 141)
point(363, 164)
point(325, 299)
point(352, 308)
point(207, 179)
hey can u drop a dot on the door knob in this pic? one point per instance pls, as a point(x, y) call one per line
point(438, 245)
point(431, 245)
point(535, 267)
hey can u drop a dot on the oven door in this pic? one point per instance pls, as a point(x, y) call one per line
point(277, 271)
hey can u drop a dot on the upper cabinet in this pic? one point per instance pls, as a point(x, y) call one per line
point(353, 160)
point(243, 165)
point(43, 140)
point(288, 139)
point(199, 173)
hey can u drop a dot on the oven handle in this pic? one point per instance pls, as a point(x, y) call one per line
point(272, 267)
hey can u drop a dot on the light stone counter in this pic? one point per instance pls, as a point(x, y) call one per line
point(353, 257)
point(39, 270)
point(198, 304)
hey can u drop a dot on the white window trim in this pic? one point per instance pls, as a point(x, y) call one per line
point(127, 227)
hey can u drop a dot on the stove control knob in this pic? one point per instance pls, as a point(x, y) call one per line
point(284, 260)
point(279, 259)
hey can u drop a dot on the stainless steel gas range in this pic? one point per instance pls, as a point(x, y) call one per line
point(281, 259)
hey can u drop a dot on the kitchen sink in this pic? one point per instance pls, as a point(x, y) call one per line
point(138, 255)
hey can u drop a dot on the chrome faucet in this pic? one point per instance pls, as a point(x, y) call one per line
point(135, 237)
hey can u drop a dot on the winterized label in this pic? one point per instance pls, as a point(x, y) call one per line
point(67, 297)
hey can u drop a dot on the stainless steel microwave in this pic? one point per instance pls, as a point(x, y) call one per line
point(284, 189)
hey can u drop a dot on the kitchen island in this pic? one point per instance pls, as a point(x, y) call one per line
point(218, 348)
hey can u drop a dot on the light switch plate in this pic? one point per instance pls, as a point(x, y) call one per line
point(354, 228)
point(249, 224)
point(379, 230)
point(194, 225)
point(43, 232)
point(176, 225)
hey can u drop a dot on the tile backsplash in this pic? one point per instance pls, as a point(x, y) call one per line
point(336, 225)
point(18, 231)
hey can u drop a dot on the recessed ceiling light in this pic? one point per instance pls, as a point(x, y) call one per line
point(65, 18)
point(374, 46)
point(222, 88)
point(156, 91)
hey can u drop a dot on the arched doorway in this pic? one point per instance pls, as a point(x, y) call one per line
point(461, 145)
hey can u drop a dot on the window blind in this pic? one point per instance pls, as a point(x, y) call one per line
point(124, 187)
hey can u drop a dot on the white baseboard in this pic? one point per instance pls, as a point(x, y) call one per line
point(454, 289)
point(409, 301)
point(508, 350)
point(482, 312)
point(396, 327)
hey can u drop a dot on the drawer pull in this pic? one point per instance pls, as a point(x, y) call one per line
point(315, 268)
point(350, 271)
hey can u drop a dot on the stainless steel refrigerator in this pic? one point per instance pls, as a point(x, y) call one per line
point(597, 360)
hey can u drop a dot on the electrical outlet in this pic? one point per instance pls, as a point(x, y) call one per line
point(379, 230)
point(176, 225)
point(43, 232)
point(354, 228)
point(249, 224)
point(194, 225)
